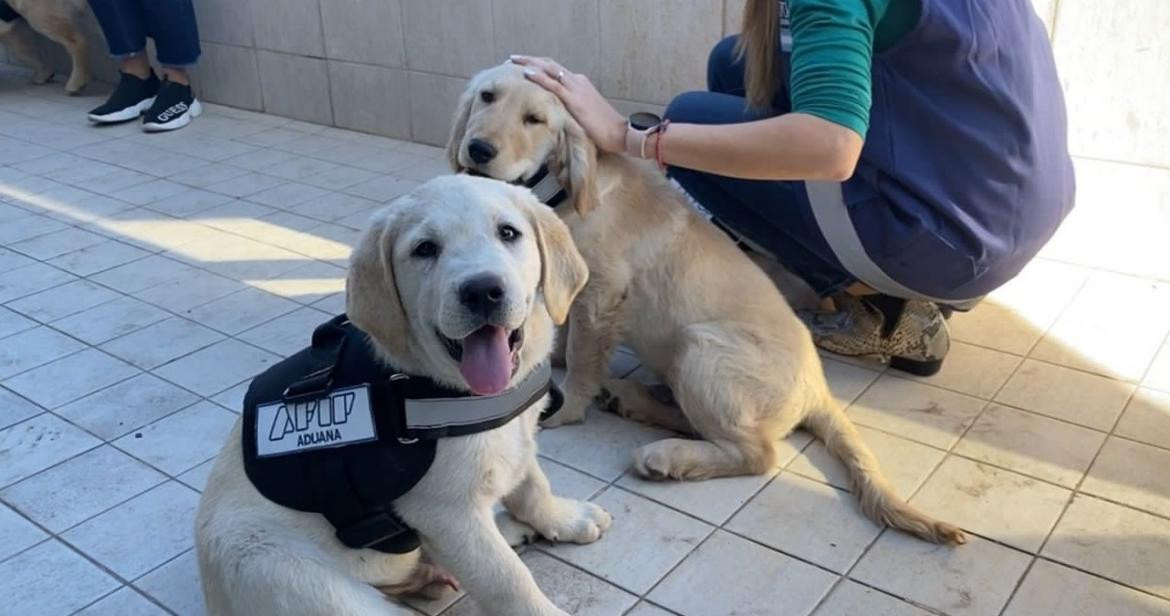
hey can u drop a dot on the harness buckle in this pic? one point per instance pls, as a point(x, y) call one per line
point(396, 378)
point(372, 530)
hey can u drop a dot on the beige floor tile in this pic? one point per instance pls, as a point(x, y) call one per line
point(1063, 393)
point(568, 588)
point(29, 279)
point(70, 378)
point(1016, 315)
point(93, 259)
point(62, 301)
point(1147, 418)
point(35, 444)
point(714, 580)
point(16, 533)
point(131, 404)
point(244, 310)
point(999, 504)
point(1158, 375)
point(1031, 444)
point(648, 609)
point(213, 369)
point(161, 342)
point(974, 371)
point(645, 543)
point(181, 295)
point(1119, 543)
point(974, 579)
point(905, 463)
point(1050, 588)
point(34, 581)
point(32, 348)
point(179, 442)
point(1133, 474)
point(1092, 335)
point(853, 599)
point(569, 483)
point(12, 322)
point(847, 381)
point(125, 601)
point(809, 520)
point(602, 446)
point(916, 411)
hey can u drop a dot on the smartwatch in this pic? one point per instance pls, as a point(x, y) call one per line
point(643, 120)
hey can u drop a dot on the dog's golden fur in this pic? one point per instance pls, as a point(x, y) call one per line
point(58, 21)
point(697, 311)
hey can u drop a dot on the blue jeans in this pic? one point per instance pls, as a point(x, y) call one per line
point(774, 215)
point(171, 23)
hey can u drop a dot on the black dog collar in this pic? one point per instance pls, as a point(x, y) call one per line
point(547, 188)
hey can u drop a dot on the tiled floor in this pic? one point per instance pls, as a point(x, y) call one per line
point(144, 279)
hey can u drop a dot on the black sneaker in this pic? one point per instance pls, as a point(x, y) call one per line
point(129, 100)
point(173, 108)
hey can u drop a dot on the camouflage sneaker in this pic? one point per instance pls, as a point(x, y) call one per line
point(913, 338)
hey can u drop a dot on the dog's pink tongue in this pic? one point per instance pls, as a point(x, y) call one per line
point(487, 361)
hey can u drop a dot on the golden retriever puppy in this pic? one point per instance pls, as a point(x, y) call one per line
point(421, 308)
point(58, 21)
point(742, 369)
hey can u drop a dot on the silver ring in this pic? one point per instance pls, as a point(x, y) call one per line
point(561, 76)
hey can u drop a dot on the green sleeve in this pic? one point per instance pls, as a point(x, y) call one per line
point(832, 51)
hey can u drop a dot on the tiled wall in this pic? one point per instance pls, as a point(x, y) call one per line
point(396, 67)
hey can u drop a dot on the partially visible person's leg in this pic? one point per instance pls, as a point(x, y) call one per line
point(773, 216)
point(171, 23)
point(777, 217)
point(124, 26)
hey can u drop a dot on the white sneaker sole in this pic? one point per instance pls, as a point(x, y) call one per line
point(123, 115)
point(179, 122)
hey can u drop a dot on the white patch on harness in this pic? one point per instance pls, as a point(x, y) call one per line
point(341, 418)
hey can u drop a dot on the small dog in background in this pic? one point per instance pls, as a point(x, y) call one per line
point(55, 19)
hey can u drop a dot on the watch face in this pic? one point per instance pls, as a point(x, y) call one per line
point(644, 120)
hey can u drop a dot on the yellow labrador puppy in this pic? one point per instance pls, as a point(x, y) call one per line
point(57, 20)
point(416, 297)
point(742, 369)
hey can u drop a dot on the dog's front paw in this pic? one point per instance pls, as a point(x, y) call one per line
point(572, 412)
point(574, 521)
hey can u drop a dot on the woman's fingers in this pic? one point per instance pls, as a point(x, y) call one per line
point(547, 82)
point(548, 66)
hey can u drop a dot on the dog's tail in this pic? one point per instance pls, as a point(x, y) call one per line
point(878, 500)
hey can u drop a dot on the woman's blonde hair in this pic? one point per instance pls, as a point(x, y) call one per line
point(757, 48)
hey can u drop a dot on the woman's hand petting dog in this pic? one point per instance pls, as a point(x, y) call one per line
point(604, 125)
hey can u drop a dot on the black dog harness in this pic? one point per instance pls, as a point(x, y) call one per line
point(546, 187)
point(333, 430)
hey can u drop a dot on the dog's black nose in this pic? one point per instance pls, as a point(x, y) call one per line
point(482, 295)
point(481, 151)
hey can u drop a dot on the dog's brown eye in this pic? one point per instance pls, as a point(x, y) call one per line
point(487, 96)
point(425, 250)
point(508, 233)
point(532, 118)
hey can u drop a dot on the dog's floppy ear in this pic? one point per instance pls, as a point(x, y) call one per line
point(459, 127)
point(372, 299)
point(575, 159)
point(563, 272)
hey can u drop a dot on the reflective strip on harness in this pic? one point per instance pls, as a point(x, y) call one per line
point(832, 216)
point(432, 417)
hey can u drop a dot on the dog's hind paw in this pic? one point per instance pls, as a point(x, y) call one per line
point(42, 76)
point(515, 532)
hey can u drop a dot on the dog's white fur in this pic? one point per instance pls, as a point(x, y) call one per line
point(258, 558)
point(697, 311)
point(58, 21)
